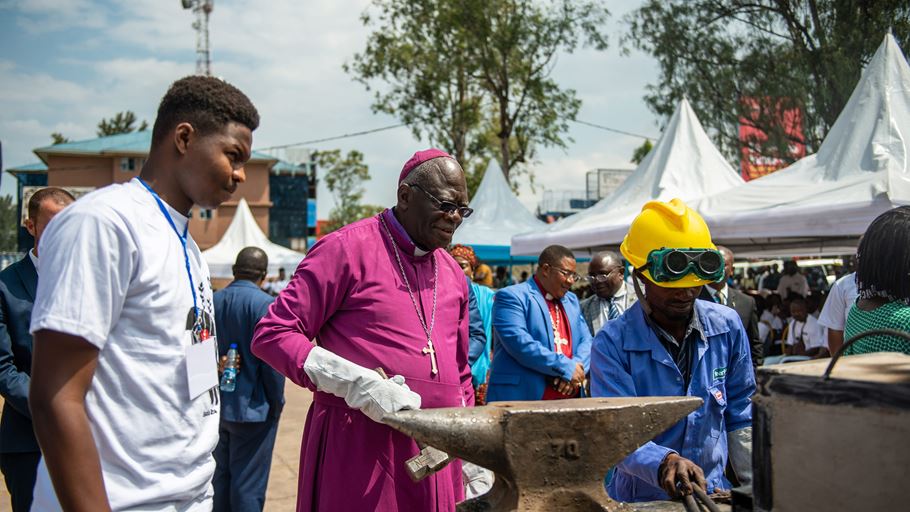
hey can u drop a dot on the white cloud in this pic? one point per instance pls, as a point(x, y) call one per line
point(287, 56)
point(44, 16)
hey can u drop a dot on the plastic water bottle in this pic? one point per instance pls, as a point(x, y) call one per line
point(229, 377)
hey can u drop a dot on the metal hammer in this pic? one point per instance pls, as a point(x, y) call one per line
point(428, 461)
point(547, 455)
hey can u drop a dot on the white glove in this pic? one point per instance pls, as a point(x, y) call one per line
point(739, 450)
point(362, 389)
point(477, 480)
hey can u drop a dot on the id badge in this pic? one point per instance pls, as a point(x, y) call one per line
point(201, 366)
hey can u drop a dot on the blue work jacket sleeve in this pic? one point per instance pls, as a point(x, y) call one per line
point(611, 377)
point(511, 327)
point(477, 337)
point(581, 352)
point(740, 382)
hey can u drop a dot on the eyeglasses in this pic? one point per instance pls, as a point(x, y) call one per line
point(602, 277)
point(568, 274)
point(446, 207)
point(674, 264)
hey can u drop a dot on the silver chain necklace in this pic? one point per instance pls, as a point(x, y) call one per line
point(428, 330)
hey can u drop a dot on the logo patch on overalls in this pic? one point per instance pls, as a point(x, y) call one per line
point(720, 373)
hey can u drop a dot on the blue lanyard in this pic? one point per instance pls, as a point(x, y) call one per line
point(186, 256)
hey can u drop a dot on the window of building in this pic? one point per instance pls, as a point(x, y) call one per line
point(297, 244)
point(131, 164)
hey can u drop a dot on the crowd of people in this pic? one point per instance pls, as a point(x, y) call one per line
point(112, 347)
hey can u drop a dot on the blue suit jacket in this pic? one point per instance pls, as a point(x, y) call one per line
point(259, 394)
point(629, 360)
point(18, 283)
point(477, 337)
point(524, 356)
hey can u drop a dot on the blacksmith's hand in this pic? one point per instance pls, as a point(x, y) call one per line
point(675, 469)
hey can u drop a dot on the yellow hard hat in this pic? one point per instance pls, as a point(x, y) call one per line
point(671, 225)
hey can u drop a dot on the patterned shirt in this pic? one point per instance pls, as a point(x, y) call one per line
point(893, 315)
point(682, 354)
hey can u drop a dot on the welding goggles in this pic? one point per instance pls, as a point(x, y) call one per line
point(667, 265)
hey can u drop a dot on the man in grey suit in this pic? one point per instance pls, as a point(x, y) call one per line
point(743, 304)
point(611, 295)
point(19, 454)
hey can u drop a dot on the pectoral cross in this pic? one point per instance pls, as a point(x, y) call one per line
point(560, 342)
point(429, 349)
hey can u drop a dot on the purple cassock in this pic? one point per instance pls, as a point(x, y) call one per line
point(348, 294)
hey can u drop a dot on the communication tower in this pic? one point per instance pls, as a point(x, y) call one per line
point(202, 9)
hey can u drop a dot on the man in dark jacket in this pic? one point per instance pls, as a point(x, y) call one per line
point(19, 453)
point(743, 304)
point(249, 414)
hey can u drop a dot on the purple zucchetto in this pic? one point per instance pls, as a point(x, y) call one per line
point(419, 158)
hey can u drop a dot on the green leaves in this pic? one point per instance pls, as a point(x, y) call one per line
point(756, 59)
point(473, 76)
point(344, 177)
point(122, 122)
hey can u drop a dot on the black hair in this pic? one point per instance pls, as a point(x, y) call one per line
point(251, 264)
point(883, 257)
point(57, 194)
point(554, 254)
point(205, 102)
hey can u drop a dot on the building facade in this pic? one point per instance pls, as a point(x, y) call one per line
point(292, 219)
point(96, 163)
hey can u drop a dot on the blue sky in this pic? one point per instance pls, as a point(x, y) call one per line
point(65, 64)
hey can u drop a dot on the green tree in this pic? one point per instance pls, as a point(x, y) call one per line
point(122, 122)
point(642, 151)
point(756, 59)
point(9, 224)
point(473, 76)
point(58, 138)
point(344, 178)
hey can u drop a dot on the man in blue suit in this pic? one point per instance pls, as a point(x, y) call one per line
point(19, 453)
point(249, 414)
point(541, 343)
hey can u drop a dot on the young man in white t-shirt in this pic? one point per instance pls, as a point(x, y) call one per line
point(841, 297)
point(124, 383)
point(804, 336)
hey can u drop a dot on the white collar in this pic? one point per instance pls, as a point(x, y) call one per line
point(723, 290)
point(34, 257)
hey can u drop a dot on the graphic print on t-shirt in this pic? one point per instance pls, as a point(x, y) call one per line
point(203, 327)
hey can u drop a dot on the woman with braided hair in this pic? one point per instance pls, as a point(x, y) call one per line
point(883, 283)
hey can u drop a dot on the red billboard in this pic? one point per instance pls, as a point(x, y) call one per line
point(754, 164)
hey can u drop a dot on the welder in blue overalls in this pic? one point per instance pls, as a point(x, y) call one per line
point(669, 344)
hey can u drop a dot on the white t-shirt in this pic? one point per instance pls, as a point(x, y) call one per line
point(796, 283)
point(113, 272)
point(809, 332)
point(842, 295)
point(773, 320)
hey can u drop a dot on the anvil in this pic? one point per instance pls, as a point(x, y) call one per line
point(547, 455)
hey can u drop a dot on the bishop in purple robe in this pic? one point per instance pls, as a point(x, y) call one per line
point(378, 293)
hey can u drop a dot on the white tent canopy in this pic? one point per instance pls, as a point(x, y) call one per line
point(823, 202)
point(498, 216)
point(244, 232)
point(683, 164)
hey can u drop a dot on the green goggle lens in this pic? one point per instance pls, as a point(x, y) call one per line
point(674, 264)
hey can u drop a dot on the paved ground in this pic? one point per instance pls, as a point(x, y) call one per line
point(282, 492)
